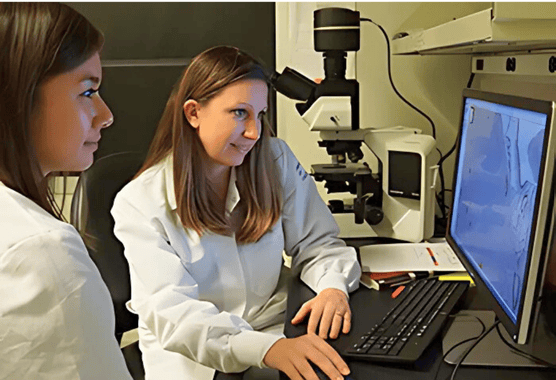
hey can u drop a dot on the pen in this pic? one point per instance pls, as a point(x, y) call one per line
point(397, 292)
point(432, 256)
point(406, 277)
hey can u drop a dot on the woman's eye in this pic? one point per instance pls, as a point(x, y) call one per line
point(90, 92)
point(241, 113)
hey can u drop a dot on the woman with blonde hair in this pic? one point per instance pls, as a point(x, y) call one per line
point(204, 224)
point(56, 315)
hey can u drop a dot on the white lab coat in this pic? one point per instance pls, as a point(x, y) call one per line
point(56, 315)
point(207, 303)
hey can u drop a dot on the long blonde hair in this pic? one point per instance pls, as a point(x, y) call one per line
point(258, 177)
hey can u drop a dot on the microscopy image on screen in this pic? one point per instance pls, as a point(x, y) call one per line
point(498, 172)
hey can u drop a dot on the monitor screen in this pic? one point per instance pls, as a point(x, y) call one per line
point(502, 188)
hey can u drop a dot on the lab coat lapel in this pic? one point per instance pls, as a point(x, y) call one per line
point(169, 176)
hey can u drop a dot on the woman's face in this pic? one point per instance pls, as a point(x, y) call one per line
point(68, 118)
point(230, 123)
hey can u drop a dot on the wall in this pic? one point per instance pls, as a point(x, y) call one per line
point(148, 45)
point(432, 83)
point(537, 87)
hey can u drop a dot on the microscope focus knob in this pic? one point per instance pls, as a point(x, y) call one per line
point(373, 215)
point(336, 206)
point(355, 155)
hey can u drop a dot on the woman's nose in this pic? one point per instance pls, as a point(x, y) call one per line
point(104, 115)
point(252, 129)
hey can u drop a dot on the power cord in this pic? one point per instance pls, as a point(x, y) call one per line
point(463, 341)
point(524, 354)
point(452, 149)
point(441, 200)
point(481, 337)
point(468, 350)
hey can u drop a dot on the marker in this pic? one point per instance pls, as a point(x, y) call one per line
point(432, 256)
point(404, 278)
point(397, 292)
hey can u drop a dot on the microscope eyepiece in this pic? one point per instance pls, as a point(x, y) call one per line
point(292, 84)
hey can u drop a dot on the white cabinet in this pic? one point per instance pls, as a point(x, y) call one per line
point(505, 27)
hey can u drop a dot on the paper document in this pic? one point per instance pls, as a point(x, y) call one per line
point(409, 257)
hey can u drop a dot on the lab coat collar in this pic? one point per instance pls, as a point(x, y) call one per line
point(232, 198)
point(169, 175)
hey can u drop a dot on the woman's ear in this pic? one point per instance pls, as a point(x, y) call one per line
point(190, 110)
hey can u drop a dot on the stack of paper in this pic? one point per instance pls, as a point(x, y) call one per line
point(437, 257)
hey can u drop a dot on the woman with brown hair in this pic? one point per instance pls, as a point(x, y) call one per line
point(56, 315)
point(204, 224)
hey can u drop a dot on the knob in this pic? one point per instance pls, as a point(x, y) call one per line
point(373, 215)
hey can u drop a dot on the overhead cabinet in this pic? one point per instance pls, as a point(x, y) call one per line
point(505, 27)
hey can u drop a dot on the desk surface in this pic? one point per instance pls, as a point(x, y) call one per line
point(368, 307)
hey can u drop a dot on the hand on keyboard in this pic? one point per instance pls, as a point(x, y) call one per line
point(294, 357)
point(410, 326)
point(331, 308)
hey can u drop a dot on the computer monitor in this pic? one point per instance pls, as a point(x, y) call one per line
point(502, 215)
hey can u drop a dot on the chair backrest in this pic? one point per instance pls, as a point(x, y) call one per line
point(90, 214)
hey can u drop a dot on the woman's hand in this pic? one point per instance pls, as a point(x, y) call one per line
point(331, 308)
point(293, 357)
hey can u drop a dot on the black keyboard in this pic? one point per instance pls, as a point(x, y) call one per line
point(411, 325)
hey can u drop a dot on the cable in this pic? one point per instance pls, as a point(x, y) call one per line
point(442, 159)
point(463, 341)
point(442, 202)
point(479, 338)
point(449, 153)
point(470, 81)
point(524, 354)
point(448, 208)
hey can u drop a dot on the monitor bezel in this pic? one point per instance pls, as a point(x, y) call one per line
point(542, 237)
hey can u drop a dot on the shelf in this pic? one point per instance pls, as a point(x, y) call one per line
point(504, 28)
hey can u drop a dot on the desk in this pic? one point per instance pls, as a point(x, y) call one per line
point(368, 307)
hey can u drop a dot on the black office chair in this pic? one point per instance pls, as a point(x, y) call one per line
point(90, 215)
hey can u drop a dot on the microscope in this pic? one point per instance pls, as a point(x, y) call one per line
point(398, 200)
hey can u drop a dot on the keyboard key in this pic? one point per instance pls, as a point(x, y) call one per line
point(396, 348)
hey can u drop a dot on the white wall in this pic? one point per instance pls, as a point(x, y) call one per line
point(432, 83)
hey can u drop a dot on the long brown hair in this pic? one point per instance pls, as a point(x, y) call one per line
point(258, 183)
point(37, 41)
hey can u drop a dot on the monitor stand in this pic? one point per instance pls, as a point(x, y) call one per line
point(492, 351)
